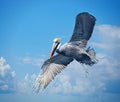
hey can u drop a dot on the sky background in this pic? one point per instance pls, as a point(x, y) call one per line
point(27, 30)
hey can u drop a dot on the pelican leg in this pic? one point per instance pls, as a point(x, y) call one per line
point(84, 69)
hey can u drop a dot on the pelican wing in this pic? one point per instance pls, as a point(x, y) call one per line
point(83, 27)
point(50, 69)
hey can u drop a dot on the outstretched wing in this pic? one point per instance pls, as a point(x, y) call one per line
point(83, 27)
point(50, 69)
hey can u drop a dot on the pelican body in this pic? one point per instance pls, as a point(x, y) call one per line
point(75, 48)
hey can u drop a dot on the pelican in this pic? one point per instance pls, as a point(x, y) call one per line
point(74, 49)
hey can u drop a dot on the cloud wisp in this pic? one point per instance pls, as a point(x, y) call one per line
point(32, 61)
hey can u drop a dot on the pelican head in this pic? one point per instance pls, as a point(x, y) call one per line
point(55, 45)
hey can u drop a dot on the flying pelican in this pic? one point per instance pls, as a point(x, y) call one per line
point(73, 49)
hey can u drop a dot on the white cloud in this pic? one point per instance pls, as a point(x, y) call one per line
point(109, 36)
point(85, 86)
point(6, 77)
point(3, 67)
point(8, 83)
point(25, 85)
point(101, 45)
point(13, 73)
point(109, 30)
point(65, 81)
point(109, 67)
point(33, 77)
point(4, 87)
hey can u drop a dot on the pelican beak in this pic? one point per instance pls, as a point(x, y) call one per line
point(55, 45)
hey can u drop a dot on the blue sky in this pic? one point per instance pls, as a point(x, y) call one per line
point(27, 30)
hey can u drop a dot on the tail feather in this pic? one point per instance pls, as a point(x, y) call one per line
point(89, 58)
point(92, 54)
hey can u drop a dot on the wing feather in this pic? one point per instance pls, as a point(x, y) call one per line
point(83, 27)
point(50, 69)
